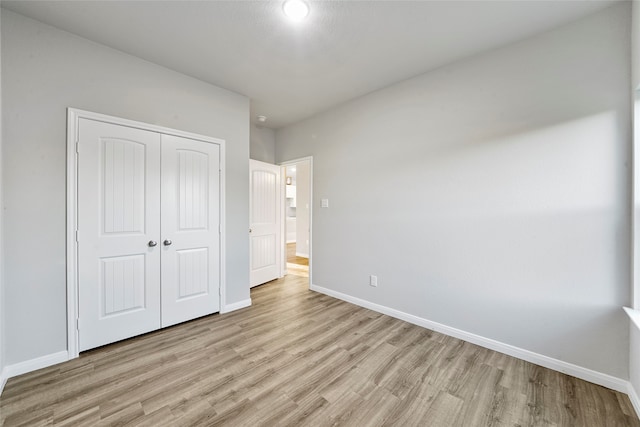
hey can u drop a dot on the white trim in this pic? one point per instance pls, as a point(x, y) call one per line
point(228, 308)
point(223, 224)
point(635, 169)
point(634, 398)
point(283, 222)
point(633, 395)
point(72, 245)
point(635, 199)
point(292, 162)
point(37, 363)
point(595, 377)
point(73, 116)
point(4, 376)
point(634, 315)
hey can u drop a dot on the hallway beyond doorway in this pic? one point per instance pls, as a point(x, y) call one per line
point(298, 266)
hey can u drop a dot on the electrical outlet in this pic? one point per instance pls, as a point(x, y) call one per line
point(373, 280)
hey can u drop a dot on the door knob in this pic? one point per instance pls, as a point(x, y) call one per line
point(152, 243)
point(167, 242)
point(250, 230)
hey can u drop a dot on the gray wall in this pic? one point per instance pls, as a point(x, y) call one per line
point(44, 71)
point(263, 144)
point(491, 195)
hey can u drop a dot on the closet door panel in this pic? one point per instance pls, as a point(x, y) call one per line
point(118, 215)
point(190, 229)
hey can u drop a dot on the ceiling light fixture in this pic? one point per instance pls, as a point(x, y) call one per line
point(262, 119)
point(295, 10)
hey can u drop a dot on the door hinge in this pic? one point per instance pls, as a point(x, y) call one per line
point(77, 147)
point(219, 228)
point(78, 324)
point(77, 236)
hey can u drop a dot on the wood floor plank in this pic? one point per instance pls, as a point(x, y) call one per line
point(299, 358)
point(445, 411)
point(293, 258)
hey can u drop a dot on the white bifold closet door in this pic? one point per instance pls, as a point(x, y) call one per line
point(148, 231)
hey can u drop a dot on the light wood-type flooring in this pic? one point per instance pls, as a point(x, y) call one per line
point(293, 258)
point(296, 265)
point(300, 358)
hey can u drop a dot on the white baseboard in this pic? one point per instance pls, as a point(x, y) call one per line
point(302, 255)
point(37, 363)
point(595, 377)
point(227, 308)
point(4, 376)
point(635, 399)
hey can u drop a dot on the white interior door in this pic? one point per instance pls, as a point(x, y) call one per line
point(148, 240)
point(118, 223)
point(190, 229)
point(265, 220)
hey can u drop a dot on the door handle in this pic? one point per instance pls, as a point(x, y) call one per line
point(152, 243)
point(167, 242)
point(250, 230)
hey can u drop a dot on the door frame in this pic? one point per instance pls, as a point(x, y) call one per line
point(283, 237)
point(73, 117)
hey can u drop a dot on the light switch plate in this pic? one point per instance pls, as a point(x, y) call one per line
point(324, 203)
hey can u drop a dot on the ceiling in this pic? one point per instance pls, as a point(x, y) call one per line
point(291, 71)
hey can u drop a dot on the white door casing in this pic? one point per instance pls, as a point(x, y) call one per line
point(265, 222)
point(114, 215)
point(118, 217)
point(190, 233)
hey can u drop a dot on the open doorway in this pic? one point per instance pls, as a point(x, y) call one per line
point(297, 216)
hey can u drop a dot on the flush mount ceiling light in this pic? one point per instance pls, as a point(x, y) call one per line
point(296, 10)
point(262, 119)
